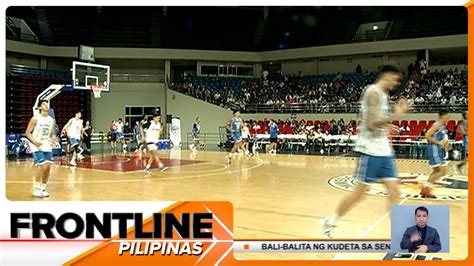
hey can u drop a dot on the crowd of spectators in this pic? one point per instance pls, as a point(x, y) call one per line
point(333, 93)
point(303, 127)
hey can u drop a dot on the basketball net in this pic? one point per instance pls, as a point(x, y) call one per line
point(96, 89)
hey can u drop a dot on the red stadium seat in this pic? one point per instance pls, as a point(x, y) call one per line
point(422, 123)
point(450, 125)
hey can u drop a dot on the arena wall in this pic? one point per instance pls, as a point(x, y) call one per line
point(346, 64)
point(112, 105)
point(188, 108)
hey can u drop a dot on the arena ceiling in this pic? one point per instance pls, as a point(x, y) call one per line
point(229, 28)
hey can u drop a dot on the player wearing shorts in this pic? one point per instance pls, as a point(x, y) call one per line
point(40, 133)
point(273, 127)
point(120, 135)
point(75, 131)
point(196, 132)
point(438, 143)
point(463, 129)
point(235, 127)
point(113, 135)
point(152, 135)
point(376, 162)
point(245, 138)
point(138, 136)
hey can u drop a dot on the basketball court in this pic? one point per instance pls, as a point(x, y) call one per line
point(274, 196)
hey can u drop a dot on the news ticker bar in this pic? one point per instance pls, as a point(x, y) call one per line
point(312, 246)
point(142, 246)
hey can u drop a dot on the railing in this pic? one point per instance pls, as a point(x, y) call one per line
point(328, 107)
point(24, 37)
point(341, 108)
point(406, 146)
point(204, 138)
point(370, 35)
point(160, 78)
point(101, 138)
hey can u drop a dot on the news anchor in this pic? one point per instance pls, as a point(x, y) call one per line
point(421, 238)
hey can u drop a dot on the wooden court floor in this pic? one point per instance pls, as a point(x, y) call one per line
point(274, 196)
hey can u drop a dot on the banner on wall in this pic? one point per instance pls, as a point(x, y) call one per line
point(175, 131)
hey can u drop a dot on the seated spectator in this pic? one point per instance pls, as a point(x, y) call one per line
point(404, 128)
point(338, 93)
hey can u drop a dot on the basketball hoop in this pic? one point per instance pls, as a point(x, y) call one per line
point(96, 89)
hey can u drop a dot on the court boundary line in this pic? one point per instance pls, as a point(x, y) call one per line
point(146, 178)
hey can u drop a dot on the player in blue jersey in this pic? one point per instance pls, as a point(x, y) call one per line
point(196, 132)
point(463, 130)
point(138, 138)
point(438, 143)
point(273, 127)
point(235, 127)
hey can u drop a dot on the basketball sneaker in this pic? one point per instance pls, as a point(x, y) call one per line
point(328, 227)
point(44, 193)
point(426, 192)
point(148, 171)
point(80, 157)
point(73, 163)
point(37, 193)
point(162, 167)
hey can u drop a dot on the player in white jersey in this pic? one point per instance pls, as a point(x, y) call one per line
point(120, 136)
point(75, 131)
point(152, 135)
point(40, 133)
point(246, 138)
point(376, 161)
